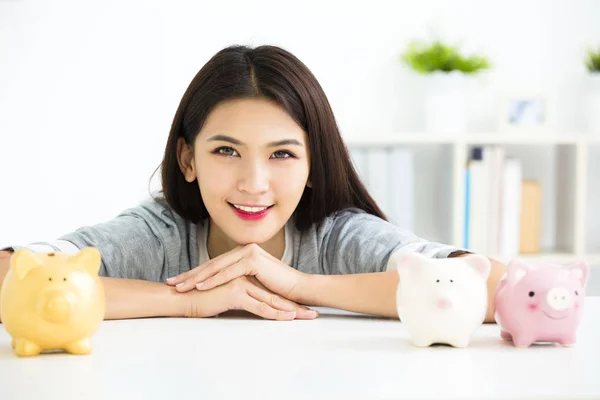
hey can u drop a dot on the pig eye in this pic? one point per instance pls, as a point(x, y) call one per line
point(50, 279)
point(576, 294)
point(438, 281)
point(531, 294)
point(451, 280)
point(64, 279)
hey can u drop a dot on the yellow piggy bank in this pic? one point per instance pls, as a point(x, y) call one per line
point(52, 301)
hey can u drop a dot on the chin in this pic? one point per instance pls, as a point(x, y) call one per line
point(243, 240)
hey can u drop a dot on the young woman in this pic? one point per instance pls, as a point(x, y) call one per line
point(260, 208)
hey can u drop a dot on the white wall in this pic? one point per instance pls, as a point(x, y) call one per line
point(88, 92)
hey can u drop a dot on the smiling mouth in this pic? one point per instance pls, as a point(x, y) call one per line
point(547, 315)
point(255, 207)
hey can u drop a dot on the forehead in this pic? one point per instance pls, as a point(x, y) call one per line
point(251, 119)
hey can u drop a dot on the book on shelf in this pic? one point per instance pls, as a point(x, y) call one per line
point(531, 217)
point(502, 209)
point(388, 174)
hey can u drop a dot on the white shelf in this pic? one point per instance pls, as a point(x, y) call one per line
point(558, 258)
point(391, 139)
point(571, 181)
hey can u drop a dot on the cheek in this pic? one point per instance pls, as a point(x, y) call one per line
point(290, 179)
point(213, 180)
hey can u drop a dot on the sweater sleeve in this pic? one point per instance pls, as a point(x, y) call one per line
point(148, 242)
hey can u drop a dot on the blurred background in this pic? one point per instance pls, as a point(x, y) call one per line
point(446, 106)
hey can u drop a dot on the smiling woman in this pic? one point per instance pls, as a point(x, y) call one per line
point(260, 208)
point(245, 173)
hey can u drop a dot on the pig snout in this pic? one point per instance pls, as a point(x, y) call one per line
point(443, 303)
point(56, 306)
point(559, 298)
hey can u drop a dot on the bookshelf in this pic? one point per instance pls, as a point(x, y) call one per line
point(569, 189)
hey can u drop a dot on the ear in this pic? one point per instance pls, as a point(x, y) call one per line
point(88, 259)
point(185, 159)
point(516, 270)
point(482, 265)
point(580, 270)
point(23, 261)
point(409, 261)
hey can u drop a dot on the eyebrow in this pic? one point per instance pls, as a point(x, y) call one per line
point(225, 138)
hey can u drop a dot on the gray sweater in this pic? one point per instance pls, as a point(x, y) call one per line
point(152, 242)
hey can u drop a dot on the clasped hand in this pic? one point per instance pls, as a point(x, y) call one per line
point(262, 284)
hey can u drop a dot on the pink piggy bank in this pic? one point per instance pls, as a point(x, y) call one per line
point(541, 303)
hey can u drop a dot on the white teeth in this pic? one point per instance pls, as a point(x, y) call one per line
point(250, 209)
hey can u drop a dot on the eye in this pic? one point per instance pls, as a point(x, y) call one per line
point(576, 294)
point(283, 154)
point(225, 151)
point(531, 294)
point(438, 281)
point(64, 279)
point(50, 279)
point(451, 280)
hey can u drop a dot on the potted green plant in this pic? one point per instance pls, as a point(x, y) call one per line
point(592, 64)
point(447, 71)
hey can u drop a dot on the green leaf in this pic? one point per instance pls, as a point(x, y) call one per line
point(438, 56)
point(592, 60)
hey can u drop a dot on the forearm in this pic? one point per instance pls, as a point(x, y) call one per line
point(373, 293)
point(128, 298)
point(497, 272)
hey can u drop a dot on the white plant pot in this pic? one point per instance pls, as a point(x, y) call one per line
point(593, 104)
point(446, 103)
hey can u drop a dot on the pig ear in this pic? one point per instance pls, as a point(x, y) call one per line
point(23, 261)
point(88, 259)
point(580, 270)
point(408, 261)
point(516, 270)
point(480, 264)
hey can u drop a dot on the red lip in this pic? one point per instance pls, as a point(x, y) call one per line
point(251, 216)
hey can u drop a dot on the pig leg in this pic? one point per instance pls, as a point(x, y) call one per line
point(24, 347)
point(83, 346)
point(505, 335)
point(523, 340)
point(567, 340)
point(422, 342)
point(462, 342)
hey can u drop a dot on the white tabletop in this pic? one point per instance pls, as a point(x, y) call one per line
point(338, 355)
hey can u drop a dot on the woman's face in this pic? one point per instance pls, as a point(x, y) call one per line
point(250, 154)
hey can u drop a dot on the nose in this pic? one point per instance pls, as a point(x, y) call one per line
point(444, 303)
point(56, 306)
point(254, 178)
point(559, 298)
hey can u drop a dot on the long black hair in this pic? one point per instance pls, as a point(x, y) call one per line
point(272, 73)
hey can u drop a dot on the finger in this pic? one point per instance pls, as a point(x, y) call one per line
point(175, 280)
point(204, 282)
point(256, 282)
point(281, 303)
point(223, 260)
point(216, 267)
point(264, 310)
point(193, 281)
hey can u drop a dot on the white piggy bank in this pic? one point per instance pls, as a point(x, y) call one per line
point(442, 301)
